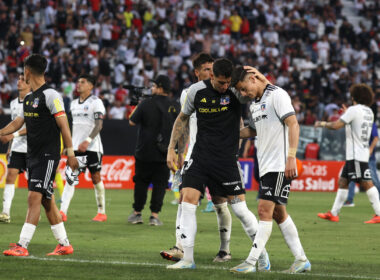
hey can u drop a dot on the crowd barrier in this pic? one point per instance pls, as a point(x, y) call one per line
point(118, 171)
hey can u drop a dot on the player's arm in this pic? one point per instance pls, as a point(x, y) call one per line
point(8, 138)
point(98, 127)
point(247, 132)
point(330, 125)
point(12, 127)
point(179, 128)
point(294, 131)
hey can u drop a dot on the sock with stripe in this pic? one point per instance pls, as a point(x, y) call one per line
point(67, 195)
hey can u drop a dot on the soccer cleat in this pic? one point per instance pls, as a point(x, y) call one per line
point(348, 204)
point(174, 254)
point(182, 264)
point(244, 268)
point(209, 208)
point(63, 215)
point(62, 250)
point(328, 216)
point(222, 256)
point(135, 219)
point(153, 221)
point(5, 218)
point(374, 220)
point(100, 218)
point(299, 266)
point(263, 263)
point(16, 250)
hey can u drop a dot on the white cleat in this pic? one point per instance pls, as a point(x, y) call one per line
point(263, 263)
point(5, 218)
point(182, 264)
point(244, 268)
point(299, 266)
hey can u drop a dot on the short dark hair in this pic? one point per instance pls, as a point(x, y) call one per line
point(89, 78)
point(222, 67)
point(36, 63)
point(362, 94)
point(201, 59)
point(238, 75)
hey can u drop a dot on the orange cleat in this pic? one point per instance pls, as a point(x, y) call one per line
point(62, 250)
point(328, 216)
point(63, 215)
point(16, 250)
point(100, 218)
point(374, 220)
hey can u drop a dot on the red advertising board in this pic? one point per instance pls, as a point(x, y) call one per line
point(117, 173)
point(318, 176)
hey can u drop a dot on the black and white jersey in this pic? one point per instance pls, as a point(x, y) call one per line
point(267, 116)
point(19, 144)
point(359, 120)
point(218, 121)
point(84, 115)
point(43, 134)
point(192, 126)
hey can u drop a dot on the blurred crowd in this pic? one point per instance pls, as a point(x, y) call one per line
point(310, 48)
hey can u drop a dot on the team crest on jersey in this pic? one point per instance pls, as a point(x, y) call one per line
point(224, 100)
point(86, 108)
point(35, 102)
point(263, 107)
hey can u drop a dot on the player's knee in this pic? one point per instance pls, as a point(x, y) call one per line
point(264, 213)
point(343, 183)
point(240, 209)
point(279, 215)
point(221, 207)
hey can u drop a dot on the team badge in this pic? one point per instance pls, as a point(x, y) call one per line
point(263, 107)
point(224, 100)
point(35, 102)
point(86, 108)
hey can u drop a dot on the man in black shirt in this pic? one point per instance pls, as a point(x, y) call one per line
point(150, 160)
point(45, 120)
point(214, 160)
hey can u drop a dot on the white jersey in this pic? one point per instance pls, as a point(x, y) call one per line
point(84, 115)
point(267, 117)
point(192, 126)
point(358, 119)
point(19, 144)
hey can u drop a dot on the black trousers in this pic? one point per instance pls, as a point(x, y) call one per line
point(156, 173)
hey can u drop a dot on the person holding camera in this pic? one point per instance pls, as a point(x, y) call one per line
point(155, 117)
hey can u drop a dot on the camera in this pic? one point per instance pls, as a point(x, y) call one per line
point(137, 94)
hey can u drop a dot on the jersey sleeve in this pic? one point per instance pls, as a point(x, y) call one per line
point(282, 104)
point(99, 109)
point(188, 105)
point(54, 102)
point(348, 116)
point(183, 96)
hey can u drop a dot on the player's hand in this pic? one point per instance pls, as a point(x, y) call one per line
point(256, 72)
point(171, 160)
point(291, 168)
point(317, 124)
point(181, 160)
point(6, 138)
point(72, 162)
point(83, 146)
point(343, 109)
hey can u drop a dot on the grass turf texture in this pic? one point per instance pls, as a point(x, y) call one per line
point(349, 249)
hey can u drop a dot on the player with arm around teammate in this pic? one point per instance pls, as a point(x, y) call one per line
point(357, 120)
point(16, 150)
point(45, 120)
point(87, 112)
point(274, 123)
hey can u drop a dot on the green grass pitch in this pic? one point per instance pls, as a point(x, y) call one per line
point(349, 249)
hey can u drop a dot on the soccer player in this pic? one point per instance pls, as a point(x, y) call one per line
point(45, 119)
point(202, 64)
point(357, 120)
point(213, 161)
point(87, 112)
point(16, 151)
point(273, 121)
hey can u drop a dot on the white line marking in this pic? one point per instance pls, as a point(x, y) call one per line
point(205, 267)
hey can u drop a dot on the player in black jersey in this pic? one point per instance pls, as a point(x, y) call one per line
point(213, 161)
point(45, 120)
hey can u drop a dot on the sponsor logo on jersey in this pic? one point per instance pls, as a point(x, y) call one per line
point(212, 110)
point(224, 100)
point(203, 100)
point(35, 102)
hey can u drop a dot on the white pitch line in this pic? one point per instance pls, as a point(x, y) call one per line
point(208, 267)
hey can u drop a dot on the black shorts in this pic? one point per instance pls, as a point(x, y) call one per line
point(94, 160)
point(41, 174)
point(222, 178)
point(275, 187)
point(17, 160)
point(356, 171)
